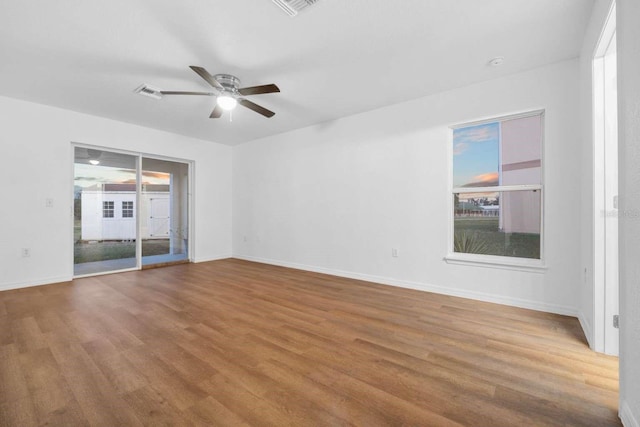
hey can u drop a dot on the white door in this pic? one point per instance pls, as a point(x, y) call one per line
point(159, 217)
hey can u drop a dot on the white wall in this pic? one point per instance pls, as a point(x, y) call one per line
point(629, 180)
point(36, 154)
point(339, 196)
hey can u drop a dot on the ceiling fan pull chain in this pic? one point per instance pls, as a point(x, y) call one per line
point(231, 116)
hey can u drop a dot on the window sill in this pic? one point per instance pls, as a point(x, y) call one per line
point(506, 263)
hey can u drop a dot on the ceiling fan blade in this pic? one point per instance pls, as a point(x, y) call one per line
point(257, 90)
point(177, 92)
point(255, 107)
point(216, 113)
point(208, 77)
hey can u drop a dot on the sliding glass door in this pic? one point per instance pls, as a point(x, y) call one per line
point(104, 211)
point(129, 211)
point(164, 211)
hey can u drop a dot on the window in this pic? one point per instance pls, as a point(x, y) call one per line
point(497, 190)
point(107, 209)
point(127, 209)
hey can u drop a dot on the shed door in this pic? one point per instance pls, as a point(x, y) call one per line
point(159, 217)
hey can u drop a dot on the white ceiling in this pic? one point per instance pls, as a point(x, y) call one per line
point(334, 59)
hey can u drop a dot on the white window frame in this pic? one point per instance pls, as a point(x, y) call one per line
point(496, 261)
point(127, 209)
point(112, 209)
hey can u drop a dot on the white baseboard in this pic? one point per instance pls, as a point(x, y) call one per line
point(60, 279)
point(586, 329)
point(40, 282)
point(480, 296)
point(627, 417)
point(212, 258)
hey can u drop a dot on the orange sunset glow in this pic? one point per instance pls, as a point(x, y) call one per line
point(484, 180)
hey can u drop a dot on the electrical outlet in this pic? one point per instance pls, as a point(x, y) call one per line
point(394, 252)
point(48, 203)
point(26, 252)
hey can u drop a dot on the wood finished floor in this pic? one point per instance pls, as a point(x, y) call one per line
point(235, 343)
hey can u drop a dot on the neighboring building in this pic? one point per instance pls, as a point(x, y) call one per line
point(490, 210)
point(465, 208)
point(109, 212)
point(521, 164)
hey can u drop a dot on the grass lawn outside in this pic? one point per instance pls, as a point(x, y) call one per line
point(106, 250)
point(521, 245)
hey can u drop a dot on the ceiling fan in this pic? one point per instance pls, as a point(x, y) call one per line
point(228, 93)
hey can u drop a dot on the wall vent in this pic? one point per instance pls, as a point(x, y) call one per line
point(149, 91)
point(292, 7)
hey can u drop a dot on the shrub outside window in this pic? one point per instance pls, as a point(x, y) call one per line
point(497, 191)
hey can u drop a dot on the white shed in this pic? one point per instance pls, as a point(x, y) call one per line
point(109, 212)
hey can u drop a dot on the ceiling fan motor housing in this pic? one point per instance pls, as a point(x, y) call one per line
point(229, 82)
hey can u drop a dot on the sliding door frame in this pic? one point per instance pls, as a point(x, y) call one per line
point(139, 155)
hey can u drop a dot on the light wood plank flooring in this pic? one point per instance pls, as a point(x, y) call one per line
point(234, 343)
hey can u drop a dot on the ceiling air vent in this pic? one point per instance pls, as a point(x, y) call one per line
point(292, 7)
point(149, 91)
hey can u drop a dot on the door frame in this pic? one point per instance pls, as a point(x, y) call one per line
point(605, 263)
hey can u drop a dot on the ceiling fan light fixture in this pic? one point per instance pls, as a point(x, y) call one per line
point(227, 102)
point(94, 162)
